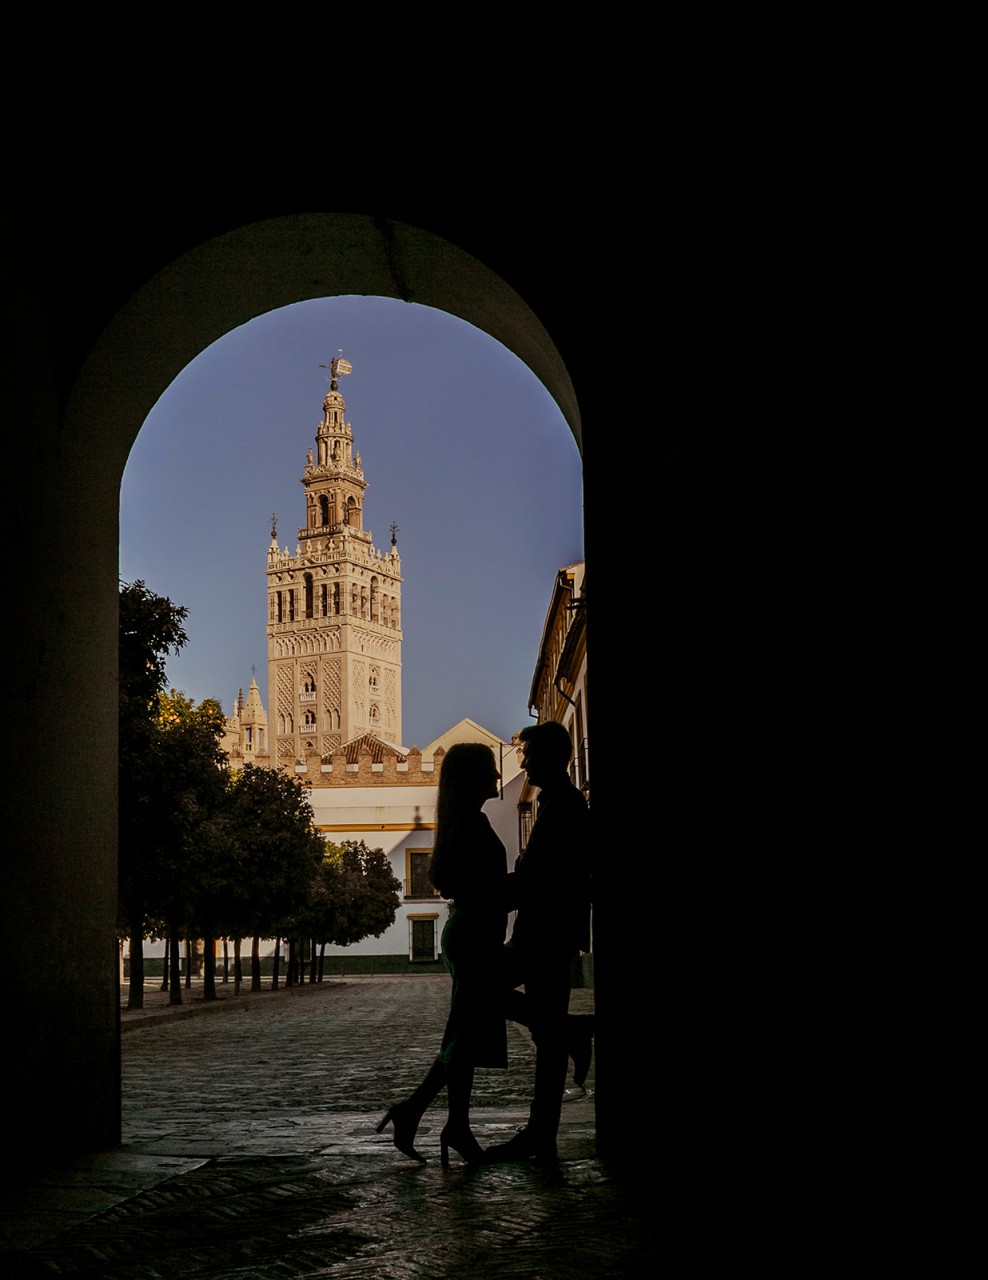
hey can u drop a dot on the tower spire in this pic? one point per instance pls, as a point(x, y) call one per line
point(334, 615)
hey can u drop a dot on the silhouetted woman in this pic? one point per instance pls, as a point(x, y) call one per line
point(468, 867)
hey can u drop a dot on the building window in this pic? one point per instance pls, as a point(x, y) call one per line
point(422, 939)
point(417, 882)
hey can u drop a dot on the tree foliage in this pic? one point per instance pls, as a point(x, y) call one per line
point(276, 849)
point(192, 794)
point(151, 627)
point(207, 852)
point(354, 895)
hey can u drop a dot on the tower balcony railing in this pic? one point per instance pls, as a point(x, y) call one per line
point(317, 620)
point(307, 695)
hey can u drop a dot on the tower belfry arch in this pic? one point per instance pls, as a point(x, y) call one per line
point(334, 607)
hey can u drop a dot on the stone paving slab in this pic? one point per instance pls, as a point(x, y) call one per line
point(249, 1151)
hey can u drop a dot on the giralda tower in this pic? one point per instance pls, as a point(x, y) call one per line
point(334, 608)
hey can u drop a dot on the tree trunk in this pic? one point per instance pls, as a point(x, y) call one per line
point(291, 963)
point(209, 965)
point(255, 964)
point(312, 961)
point(135, 992)
point(165, 964)
point(238, 967)
point(175, 981)
point(322, 959)
point(275, 964)
point(226, 960)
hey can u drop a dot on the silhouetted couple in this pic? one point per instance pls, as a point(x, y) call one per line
point(550, 890)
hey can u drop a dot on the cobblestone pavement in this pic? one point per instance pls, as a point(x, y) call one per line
point(249, 1151)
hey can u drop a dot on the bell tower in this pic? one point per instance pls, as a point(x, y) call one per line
point(334, 608)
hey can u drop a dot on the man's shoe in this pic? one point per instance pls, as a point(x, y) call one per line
point(582, 1048)
point(523, 1146)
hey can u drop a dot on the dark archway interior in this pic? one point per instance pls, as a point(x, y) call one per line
point(784, 490)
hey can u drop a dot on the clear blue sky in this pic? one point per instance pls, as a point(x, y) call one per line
point(462, 448)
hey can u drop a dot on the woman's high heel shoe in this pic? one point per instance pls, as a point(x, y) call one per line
point(463, 1143)
point(406, 1121)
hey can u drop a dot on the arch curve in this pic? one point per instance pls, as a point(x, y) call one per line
point(63, 874)
point(260, 267)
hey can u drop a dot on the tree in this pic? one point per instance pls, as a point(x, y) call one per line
point(172, 866)
point(269, 825)
point(151, 627)
point(194, 862)
point(354, 895)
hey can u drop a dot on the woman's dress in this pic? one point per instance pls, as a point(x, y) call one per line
point(473, 874)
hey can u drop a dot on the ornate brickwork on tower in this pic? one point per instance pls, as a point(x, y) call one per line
point(334, 609)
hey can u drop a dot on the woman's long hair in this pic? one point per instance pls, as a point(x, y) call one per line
point(466, 766)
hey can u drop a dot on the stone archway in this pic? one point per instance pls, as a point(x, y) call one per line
point(62, 869)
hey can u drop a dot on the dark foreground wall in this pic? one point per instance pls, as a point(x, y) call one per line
point(784, 483)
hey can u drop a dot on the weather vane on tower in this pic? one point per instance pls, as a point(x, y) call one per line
point(338, 368)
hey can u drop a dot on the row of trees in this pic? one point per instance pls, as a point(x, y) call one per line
point(206, 852)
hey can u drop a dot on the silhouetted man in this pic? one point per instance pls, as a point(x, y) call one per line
point(551, 891)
